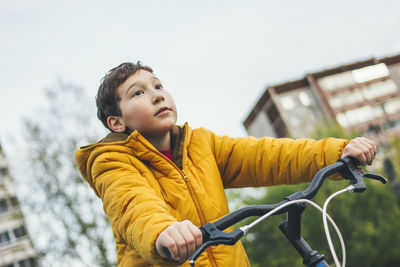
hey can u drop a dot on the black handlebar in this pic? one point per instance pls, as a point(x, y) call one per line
point(309, 193)
point(213, 232)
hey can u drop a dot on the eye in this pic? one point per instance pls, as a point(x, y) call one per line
point(158, 86)
point(137, 93)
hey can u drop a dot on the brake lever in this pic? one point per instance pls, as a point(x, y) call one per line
point(376, 177)
point(350, 172)
point(213, 236)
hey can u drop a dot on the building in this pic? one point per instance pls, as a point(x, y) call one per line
point(362, 96)
point(16, 249)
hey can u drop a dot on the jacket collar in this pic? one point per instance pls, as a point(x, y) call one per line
point(178, 144)
point(178, 134)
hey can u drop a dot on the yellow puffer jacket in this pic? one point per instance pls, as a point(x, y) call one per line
point(143, 192)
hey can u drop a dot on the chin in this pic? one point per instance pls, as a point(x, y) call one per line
point(170, 123)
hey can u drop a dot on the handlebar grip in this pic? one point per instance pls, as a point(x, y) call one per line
point(203, 234)
point(354, 161)
point(168, 253)
point(213, 236)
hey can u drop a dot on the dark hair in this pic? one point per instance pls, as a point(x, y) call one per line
point(107, 98)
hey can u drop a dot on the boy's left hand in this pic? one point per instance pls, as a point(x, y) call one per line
point(362, 149)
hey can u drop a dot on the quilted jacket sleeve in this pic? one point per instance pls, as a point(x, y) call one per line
point(249, 161)
point(137, 214)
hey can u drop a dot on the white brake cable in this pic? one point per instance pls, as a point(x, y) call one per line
point(246, 228)
point(328, 236)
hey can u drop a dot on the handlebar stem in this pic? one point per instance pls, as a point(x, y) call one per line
point(294, 221)
point(310, 257)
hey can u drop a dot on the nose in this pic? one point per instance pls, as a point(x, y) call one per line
point(157, 97)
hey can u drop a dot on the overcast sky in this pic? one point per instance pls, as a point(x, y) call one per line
point(215, 57)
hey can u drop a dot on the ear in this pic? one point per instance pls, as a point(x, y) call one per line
point(116, 124)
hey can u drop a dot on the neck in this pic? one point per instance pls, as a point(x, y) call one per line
point(160, 142)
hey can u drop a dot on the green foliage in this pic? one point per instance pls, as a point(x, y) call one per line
point(395, 149)
point(329, 128)
point(70, 225)
point(369, 222)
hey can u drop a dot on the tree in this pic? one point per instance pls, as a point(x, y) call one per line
point(69, 226)
point(391, 166)
point(368, 223)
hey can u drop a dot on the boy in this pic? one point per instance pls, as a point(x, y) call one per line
point(159, 182)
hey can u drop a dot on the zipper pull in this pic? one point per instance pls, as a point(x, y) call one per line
point(184, 176)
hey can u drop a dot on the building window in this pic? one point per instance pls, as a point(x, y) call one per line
point(19, 232)
point(353, 77)
point(379, 89)
point(392, 106)
point(359, 115)
point(3, 171)
point(392, 125)
point(370, 73)
point(305, 99)
point(347, 98)
point(337, 81)
point(288, 103)
point(30, 262)
point(14, 201)
point(4, 238)
point(373, 130)
point(3, 206)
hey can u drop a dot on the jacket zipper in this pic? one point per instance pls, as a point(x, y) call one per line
point(201, 215)
point(192, 195)
point(196, 203)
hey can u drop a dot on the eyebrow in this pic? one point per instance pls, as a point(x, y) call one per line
point(136, 83)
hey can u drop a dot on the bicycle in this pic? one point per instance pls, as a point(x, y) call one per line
point(294, 206)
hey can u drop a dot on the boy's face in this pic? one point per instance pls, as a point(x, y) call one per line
point(145, 105)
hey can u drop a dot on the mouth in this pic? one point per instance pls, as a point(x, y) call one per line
point(161, 110)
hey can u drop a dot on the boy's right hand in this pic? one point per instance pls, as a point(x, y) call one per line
point(181, 239)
